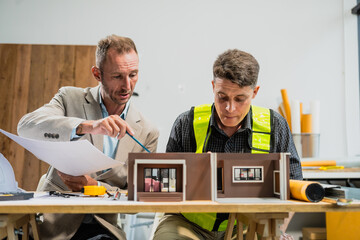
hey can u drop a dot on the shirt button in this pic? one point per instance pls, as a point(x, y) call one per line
point(56, 136)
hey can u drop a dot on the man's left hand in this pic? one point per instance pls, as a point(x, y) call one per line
point(76, 183)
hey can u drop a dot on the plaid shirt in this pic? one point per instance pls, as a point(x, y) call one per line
point(182, 138)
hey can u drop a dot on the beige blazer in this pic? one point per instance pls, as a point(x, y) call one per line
point(55, 121)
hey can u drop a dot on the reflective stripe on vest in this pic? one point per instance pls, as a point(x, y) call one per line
point(201, 120)
point(261, 130)
point(261, 135)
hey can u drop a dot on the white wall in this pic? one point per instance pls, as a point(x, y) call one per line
point(300, 46)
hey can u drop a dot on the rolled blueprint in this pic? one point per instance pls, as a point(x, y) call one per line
point(286, 106)
point(306, 123)
point(306, 191)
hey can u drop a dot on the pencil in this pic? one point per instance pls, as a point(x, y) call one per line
point(138, 142)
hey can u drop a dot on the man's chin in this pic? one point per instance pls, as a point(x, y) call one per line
point(230, 124)
point(229, 121)
point(120, 101)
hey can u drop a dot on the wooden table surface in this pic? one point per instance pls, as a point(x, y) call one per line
point(46, 204)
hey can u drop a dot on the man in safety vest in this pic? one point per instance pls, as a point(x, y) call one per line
point(230, 125)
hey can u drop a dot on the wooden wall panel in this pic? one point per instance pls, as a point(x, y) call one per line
point(30, 75)
point(67, 68)
point(7, 60)
point(35, 100)
point(84, 58)
point(19, 104)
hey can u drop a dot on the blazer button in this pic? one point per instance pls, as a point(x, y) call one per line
point(45, 135)
point(56, 136)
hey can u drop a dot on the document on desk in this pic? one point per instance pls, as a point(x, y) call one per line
point(74, 158)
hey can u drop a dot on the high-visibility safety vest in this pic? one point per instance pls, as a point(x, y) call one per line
point(261, 141)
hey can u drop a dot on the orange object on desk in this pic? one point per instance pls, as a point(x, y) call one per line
point(320, 163)
point(94, 190)
point(306, 190)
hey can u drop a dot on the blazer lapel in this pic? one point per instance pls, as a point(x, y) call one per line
point(127, 144)
point(92, 112)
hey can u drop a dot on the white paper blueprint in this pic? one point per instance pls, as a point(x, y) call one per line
point(74, 158)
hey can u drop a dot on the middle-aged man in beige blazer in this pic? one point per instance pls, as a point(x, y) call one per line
point(102, 115)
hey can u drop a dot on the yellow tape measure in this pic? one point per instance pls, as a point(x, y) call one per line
point(93, 190)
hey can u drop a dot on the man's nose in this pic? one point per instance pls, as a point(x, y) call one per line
point(128, 83)
point(230, 107)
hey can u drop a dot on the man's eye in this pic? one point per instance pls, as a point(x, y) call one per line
point(132, 75)
point(222, 98)
point(239, 100)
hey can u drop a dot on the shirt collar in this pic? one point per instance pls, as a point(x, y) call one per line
point(105, 112)
point(246, 123)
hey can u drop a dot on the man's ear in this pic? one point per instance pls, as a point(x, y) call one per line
point(213, 84)
point(256, 89)
point(96, 73)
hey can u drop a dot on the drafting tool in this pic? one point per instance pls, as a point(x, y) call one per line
point(117, 195)
point(138, 142)
point(331, 167)
point(15, 196)
point(338, 201)
point(62, 194)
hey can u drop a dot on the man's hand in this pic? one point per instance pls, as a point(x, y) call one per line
point(113, 126)
point(78, 182)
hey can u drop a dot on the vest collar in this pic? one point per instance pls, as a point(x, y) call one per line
point(246, 123)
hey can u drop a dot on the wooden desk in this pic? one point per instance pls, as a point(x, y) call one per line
point(41, 203)
point(257, 210)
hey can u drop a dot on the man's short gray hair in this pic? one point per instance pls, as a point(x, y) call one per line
point(120, 44)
